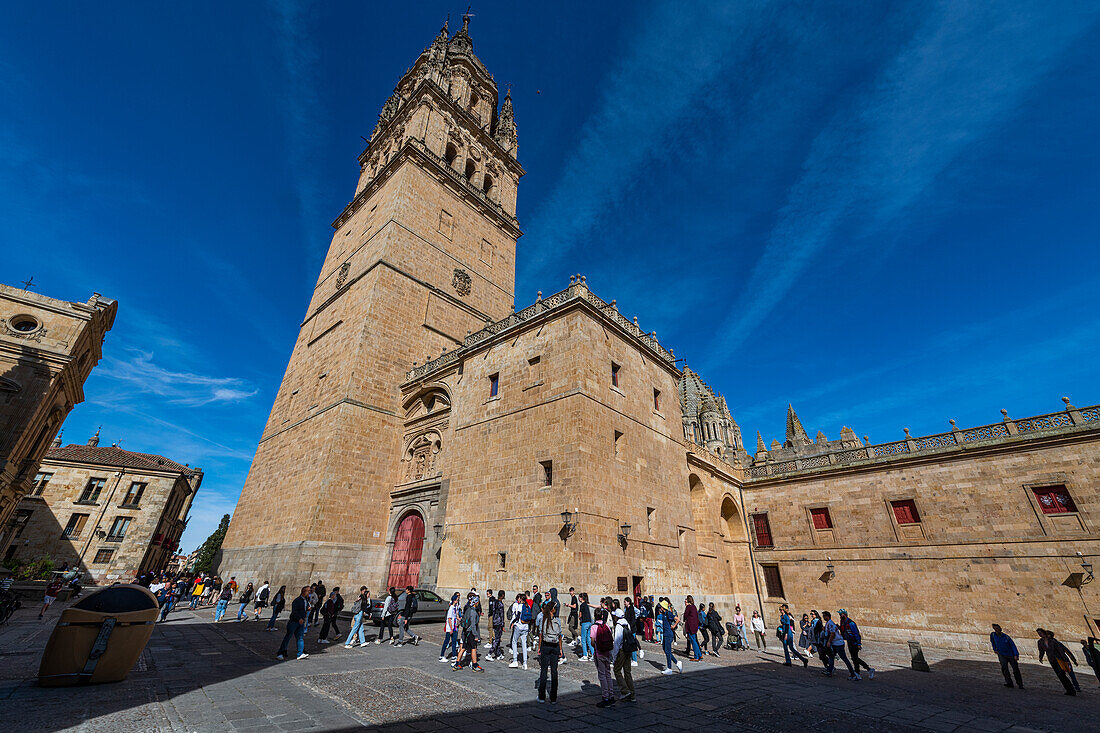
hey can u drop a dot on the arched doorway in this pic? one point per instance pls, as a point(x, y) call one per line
point(407, 547)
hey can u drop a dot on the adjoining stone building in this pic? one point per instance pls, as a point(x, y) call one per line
point(48, 348)
point(561, 444)
point(111, 513)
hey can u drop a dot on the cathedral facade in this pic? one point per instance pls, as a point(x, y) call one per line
point(428, 433)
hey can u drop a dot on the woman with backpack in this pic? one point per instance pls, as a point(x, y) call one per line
point(626, 646)
point(521, 624)
point(277, 604)
point(548, 627)
point(246, 596)
point(389, 615)
point(359, 611)
point(261, 600)
point(667, 621)
point(704, 629)
point(603, 644)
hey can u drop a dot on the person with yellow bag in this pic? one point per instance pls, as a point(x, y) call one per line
point(1058, 656)
point(196, 592)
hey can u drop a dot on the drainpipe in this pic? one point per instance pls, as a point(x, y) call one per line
point(752, 557)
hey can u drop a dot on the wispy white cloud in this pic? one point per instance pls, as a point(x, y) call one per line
point(960, 78)
point(675, 52)
point(182, 388)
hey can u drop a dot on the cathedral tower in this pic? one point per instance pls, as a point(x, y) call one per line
point(422, 255)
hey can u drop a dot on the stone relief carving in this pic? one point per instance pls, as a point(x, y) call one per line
point(462, 282)
point(342, 277)
point(422, 457)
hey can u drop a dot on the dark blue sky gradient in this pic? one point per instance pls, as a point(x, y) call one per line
point(885, 215)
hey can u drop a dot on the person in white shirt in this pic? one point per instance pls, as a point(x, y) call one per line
point(450, 630)
point(757, 624)
point(623, 676)
point(520, 627)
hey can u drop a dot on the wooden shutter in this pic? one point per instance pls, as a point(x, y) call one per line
point(773, 581)
point(821, 518)
point(1055, 500)
point(905, 511)
point(763, 530)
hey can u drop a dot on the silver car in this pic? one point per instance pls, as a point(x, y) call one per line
point(429, 607)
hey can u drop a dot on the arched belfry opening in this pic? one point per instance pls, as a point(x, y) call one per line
point(471, 169)
point(450, 154)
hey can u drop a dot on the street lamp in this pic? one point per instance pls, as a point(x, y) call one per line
point(439, 533)
point(568, 525)
point(624, 532)
point(829, 573)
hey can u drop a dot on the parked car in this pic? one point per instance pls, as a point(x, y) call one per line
point(430, 607)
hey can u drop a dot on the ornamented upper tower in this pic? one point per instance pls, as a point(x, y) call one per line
point(422, 255)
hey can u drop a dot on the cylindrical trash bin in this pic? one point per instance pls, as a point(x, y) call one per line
point(100, 637)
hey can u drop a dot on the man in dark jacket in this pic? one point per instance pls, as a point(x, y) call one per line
point(296, 625)
point(408, 605)
point(329, 611)
point(1008, 655)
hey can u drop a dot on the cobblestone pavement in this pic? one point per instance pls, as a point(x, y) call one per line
point(198, 676)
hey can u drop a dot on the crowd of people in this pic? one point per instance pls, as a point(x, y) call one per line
point(548, 630)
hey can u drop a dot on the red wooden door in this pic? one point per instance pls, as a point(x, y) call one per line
point(407, 546)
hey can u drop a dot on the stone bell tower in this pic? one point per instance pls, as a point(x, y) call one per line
point(422, 255)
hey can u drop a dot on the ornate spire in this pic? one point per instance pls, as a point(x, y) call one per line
point(796, 434)
point(94, 440)
point(57, 439)
point(461, 41)
point(760, 447)
point(506, 126)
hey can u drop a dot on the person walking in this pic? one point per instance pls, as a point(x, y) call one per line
point(317, 599)
point(262, 596)
point(548, 628)
point(278, 602)
point(224, 598)
point(197, 591)
point(1090, 650)
point(389, 616)
point(631, 614)
point(714, 622)
point(245, 598)
point(1057, 662)
point(704, 629)
point(850, 631)
point(804, 634)
point(521, 625)
point(408, 604)
point(666, 622)
point(450, 630)
point(691, 629)
point(296, 625)
point(757, 624)
point(585, 615)
point(359, 610)
point(739, 625)
point(835, 641)
point(573, 619)
point(52, 591)
point(626, 644)
point(471, 633)
point(167, 600)
point(786, 637)
point(1007, 654)
point(1057, 650)
point(603, 643)
point(497, 620)
point(212, 591)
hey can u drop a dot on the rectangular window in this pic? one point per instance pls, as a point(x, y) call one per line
point(494, 384)
point(118, 529)
point(446, 223)
point(133, 496)
point(773, 581)
point(905, 511)
point(1055, 500)
point(40, 482)
point(90, 495)
point(649, 519)
point(614, 374)
point(547, 473)
point(618, 443)
point(103, 556)
point(656, 399)
point(821, 518)
point(622, 584)
point(487, 252)
point(534, 369)
point(763, 530)
point(503, 559)
point(75, 525)
point(22, 516)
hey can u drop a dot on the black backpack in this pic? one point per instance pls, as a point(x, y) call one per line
point(630, 642)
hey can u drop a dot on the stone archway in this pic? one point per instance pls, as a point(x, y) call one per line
point(408, 546)
point(732, 521)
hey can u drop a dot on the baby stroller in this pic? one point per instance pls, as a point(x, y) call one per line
point(733, 640)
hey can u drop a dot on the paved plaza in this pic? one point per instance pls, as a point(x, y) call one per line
point(198, 676)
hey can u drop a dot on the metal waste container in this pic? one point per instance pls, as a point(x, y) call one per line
point(100, 637)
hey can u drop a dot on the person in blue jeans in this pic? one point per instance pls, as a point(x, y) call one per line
point(691, 628)
point(786, 628)
point(666, 622)
point(244, 600)
point(296, 625)
point(451, 630)
point(585, 614)
point(223, 602)
point(359, 611)
point(278, 602)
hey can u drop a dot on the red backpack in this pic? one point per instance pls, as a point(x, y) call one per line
point(605, 641)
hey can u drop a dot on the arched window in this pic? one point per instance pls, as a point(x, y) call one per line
point(735, 528)
point(470, 170)
point(450, 154)
point(487, 184)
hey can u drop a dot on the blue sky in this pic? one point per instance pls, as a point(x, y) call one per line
point(885, 214)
